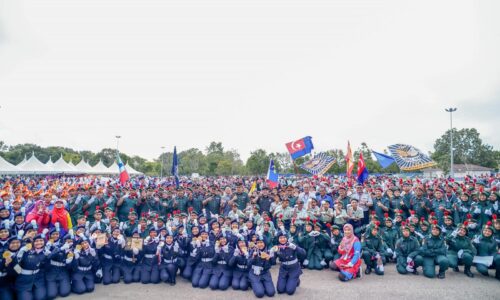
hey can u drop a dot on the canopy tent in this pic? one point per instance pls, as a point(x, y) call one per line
point(49, 163)
point(132, 171)
point(99, 168)
point(22, 162)
point(113, 169)
point(61, 166)
point(83, 167)
point(8, 168)
point(34, 166)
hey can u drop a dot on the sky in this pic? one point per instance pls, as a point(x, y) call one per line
point(250, 74)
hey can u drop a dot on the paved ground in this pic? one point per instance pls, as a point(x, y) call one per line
point(324, 285)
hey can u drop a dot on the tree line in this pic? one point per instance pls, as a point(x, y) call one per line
point(216, 160)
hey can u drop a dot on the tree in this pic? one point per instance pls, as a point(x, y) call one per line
point(258, 162)
point(468, 149)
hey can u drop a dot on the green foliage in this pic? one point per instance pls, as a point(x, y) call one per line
point(468, 149)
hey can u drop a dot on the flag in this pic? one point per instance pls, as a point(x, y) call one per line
point(272, 175)
point(300, 147)
point(362, 170)
point(319, 164)
point(383, 160)
point(253, 188)
point(121, 168)
point(349, 160)
point(410, 158)
point(175, 167)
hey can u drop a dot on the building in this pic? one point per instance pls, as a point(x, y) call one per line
point(460, 170)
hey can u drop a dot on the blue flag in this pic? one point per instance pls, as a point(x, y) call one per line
point(175, 167)
point(383, 160)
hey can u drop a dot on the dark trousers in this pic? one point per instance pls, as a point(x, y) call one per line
point(262, 284)
point(288, 279)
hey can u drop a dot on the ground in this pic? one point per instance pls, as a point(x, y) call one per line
point(323, 285)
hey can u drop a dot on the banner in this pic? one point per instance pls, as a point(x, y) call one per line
point(318, 165)
point(409, 158)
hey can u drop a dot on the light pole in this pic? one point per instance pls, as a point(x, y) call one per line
point(117, 141)
point(161, 157)
point(451, 110)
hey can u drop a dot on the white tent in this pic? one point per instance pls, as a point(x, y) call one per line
point(7, 168)
point(49, 163)
point(99, 168)
point(34, 166)
point(113, 169)
point(22, 162)
point(83, 167)
point(132, 171)
point(61, 166)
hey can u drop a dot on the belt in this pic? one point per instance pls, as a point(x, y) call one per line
point(288, 263)
point(84, 269)
point(128, 258)
point(170, 261)
point(107, 256)
point(57, 264)
point(207, 259)
point(242, 266)
point(222, 262)
point(29, 272)
point(149, 255)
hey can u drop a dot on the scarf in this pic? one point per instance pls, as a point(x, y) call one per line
point(60, 215)
point(348, 242)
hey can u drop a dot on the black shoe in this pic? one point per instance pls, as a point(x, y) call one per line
point(469, 273)
point(368, 270)
point(441, 276)
point(456, 269)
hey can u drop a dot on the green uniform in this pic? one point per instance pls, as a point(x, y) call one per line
point(213, 205)
point(197, 203)
point(460, 251)
point(241, 200)
point(315, 244)
point(124, 209)
point(373, 245)
point(76, 209)
point(93, 202)
point(433, 251)
point(487, 246)
point(407, 247)
point(182, 204)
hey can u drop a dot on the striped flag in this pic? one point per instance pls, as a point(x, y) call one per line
point(121, 168)
point(349, 160)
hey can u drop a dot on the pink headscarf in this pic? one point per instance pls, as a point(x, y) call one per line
point(347, 242)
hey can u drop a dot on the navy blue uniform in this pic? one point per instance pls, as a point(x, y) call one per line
point(259, 275)
point(30, 282)
point(204, 269)
point(130, 267)
point(222, 274)
point(110, 258)
point(290, 271)
point(82, 276)
point(149, 265)
point(239, 263)
point(57, 272)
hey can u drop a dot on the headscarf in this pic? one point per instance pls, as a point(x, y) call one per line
point(348, 242)
point(60, 215)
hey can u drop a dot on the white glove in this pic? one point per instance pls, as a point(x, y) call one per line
point(87, 224)
point(389, 250)
point(476, 240)
point(464, 209)
point(110, 199)
point(69, 260)
point(44, 232)
point(460, 253)
point(78, 199)
point(377, 256)
point(477, 210)
point(65, 246)
point(409, 269)
point(176, 247)
point(81, 235)
point(292, 246)
point(488, 212)
point(92, 200)
point(121, 241)
point(306, 262)
point(92, 252)
point(409, 260)
point(99, 273)
point(198, 243)
point(135, 251)
point(236, 252)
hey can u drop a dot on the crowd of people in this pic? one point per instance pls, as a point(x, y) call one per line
point(62, 235)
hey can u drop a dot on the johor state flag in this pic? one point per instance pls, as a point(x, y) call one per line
point(300, 147)
point(272, 176)
point(121, 168)
point(362, 170)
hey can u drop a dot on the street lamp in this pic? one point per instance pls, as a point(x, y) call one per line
point(161, 157)
point(451, 110)
point(117, 141)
